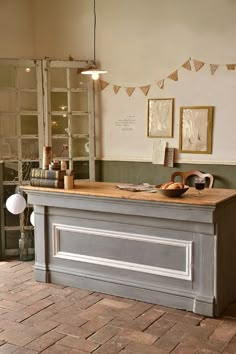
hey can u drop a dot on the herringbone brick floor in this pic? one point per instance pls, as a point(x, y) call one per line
point(49, 318)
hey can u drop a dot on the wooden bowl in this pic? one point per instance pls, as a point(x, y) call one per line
point(172, 193)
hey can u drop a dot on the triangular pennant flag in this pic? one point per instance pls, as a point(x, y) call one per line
point(173, 76)
point(231, 66)
point(103, 84)
point(161, 83)
point(187, 65)
point(130, 90)
point(116, 88)
point(213, 68)
point(198, 64)
point(145, 89)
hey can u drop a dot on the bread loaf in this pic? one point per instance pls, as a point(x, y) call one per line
point(175, 185)
point(165, 185)
point(172, 185)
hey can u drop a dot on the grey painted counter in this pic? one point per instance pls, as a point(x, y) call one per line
point(177, 252)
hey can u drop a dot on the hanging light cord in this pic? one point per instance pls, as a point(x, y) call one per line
point(94, 31)
point(92, 69)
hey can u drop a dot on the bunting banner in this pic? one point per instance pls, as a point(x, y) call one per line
point(103, 84)
point(198, 64)
point(116, 88)
point(130, 90)
point(213, 68)
point(161, 84)
point(174, 76)
point(187, 65)
point(231, 66)
point(145, 89)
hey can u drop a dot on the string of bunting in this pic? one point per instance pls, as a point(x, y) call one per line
point(189, 65)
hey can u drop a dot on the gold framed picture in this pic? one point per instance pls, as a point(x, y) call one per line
point(160, 117)
point(195, 134)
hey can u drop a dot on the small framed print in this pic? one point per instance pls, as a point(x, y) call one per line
point(160, 117)
point(196, 125)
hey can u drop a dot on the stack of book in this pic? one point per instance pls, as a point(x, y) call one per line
point(47, 178)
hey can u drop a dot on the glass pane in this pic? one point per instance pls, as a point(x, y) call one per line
point(81, 169)
point(59, 101)
point(30, 149)
point(12, 239)
point(8, 125)
point(29, 125)
point(5, 150)
point(7, 76)
point(8, 191)
point(79, 124)
point(7, 100)
point(10, 171)
point(10, 148)
point(80, 147)
point(26, 168)
point(79, 101)
point(28, 101)
point(26, 79)
point(11, 219)
point(60, 147)
point(59, 125)
point(78, 80)
point(58, 77)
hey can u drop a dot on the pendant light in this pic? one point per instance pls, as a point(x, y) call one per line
point(93, 70)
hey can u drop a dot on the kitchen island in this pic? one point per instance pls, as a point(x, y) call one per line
point(177, 252)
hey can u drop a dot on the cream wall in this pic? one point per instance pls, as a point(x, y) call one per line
point(63, 28)
point(139, 42)
point(144, 41)
point(16, 29)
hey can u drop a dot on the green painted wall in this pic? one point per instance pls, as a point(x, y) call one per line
point(139, 172)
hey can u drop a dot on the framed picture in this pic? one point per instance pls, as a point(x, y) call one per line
point(196, 129)
point(160, 117)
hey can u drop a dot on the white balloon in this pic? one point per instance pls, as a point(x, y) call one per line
point(32, 218)
point(16, 204)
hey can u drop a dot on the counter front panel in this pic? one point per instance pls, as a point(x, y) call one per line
point(138, 245)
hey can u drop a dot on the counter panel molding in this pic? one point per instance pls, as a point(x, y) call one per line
point(144, 253)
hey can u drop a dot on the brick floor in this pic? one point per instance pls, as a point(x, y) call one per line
point(55, 319)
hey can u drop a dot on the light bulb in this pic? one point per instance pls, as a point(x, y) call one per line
point(28, 70)
point(95, 76)
point(62, 107)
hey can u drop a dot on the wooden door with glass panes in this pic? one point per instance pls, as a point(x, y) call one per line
point(42, 102)
point(21, 126)
point(69, 110)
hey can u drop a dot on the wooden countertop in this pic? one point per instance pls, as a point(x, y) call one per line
point(210, 197)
